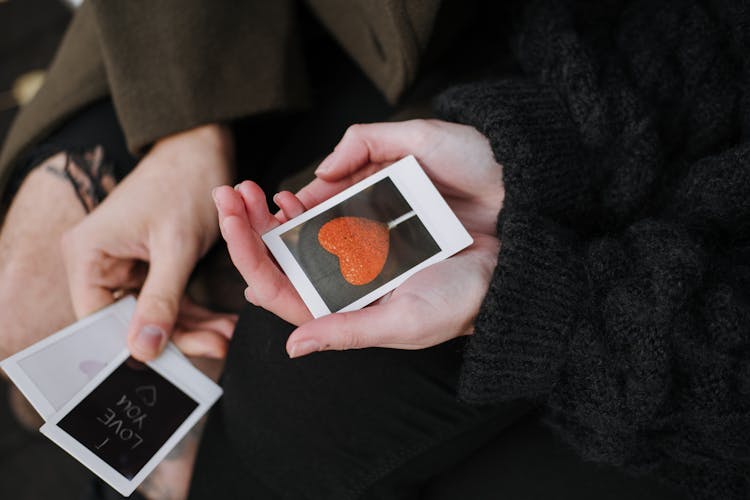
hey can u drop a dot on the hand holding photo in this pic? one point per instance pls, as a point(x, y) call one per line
point(365, 241)
point(116, 415)
point(123, 424)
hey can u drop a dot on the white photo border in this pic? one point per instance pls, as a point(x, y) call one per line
point(423, 197)
point(122, 310)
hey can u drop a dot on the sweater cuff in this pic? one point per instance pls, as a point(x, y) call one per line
point(521, 333)
point(545, 167)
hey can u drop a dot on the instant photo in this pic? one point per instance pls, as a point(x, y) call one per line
point(131, 414)
point(367, 240)
point(115, 415)
point(129, 417)
point(361, 244)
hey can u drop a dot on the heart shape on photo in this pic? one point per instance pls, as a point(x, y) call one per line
point(360, 244)
point(91, 367)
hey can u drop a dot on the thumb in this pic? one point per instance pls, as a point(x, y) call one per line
point(380, 325)
point(373, 143)
point(159, 303)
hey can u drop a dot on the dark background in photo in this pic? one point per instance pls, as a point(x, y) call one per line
point(410, 243)
point(166, 408)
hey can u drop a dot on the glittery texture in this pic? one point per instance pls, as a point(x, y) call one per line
point(360, 244)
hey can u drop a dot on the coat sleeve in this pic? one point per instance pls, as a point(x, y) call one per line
point(176, 64)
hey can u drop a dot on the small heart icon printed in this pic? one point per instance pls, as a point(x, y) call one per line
point(147, 393)
point(360, 244)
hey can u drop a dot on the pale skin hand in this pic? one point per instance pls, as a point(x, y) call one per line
point(43, 209)
point(148, 235)
point(34, 280)
point(433, 306)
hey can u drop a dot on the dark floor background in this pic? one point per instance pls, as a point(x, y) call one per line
point(31, 467)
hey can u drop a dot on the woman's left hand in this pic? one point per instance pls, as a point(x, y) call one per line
point(436, 304)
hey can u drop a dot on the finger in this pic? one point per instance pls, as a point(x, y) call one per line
point(320, 190)
point(201, 343)
point(228, 202)
point(380, 325)
point(246, 249)
point(221, 324)
point(188, 308)
point(258, 215)
point(159, 300)
point(88, 299)
point(270, 288)
point(372, 143)
point(290, 205)
point(191, 309)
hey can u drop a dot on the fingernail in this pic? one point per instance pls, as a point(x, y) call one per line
point(303, 348)
point(151, 338)
point(237, 186)
point(276, 198)
point(213, 194)
point(323, 167)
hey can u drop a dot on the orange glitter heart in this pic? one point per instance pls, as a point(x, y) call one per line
point(360, 244)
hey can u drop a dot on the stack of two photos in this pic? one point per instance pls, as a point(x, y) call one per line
point(117, 416)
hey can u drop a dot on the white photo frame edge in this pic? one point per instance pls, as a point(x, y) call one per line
point(122, 310)
point(423, 197)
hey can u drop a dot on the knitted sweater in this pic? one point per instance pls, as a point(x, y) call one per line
point(621, 299)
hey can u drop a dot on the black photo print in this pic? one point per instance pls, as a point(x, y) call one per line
point(129, 416)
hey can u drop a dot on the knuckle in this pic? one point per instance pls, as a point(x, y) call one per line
point(350, 338)
point(422, 133)
point(354, 130)
point(179, 240)
point(432, 126)
point(159, 305)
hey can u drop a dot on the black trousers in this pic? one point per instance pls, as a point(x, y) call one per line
point(379, 423)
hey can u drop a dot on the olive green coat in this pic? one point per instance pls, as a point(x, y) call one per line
point(174, 64)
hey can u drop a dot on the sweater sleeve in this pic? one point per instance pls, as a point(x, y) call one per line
point(176, 64)
point(625, 334)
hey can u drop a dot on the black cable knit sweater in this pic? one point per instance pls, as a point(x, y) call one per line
point(621, 300)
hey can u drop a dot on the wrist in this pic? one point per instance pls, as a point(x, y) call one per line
point(217, 135)
point(207, 150)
